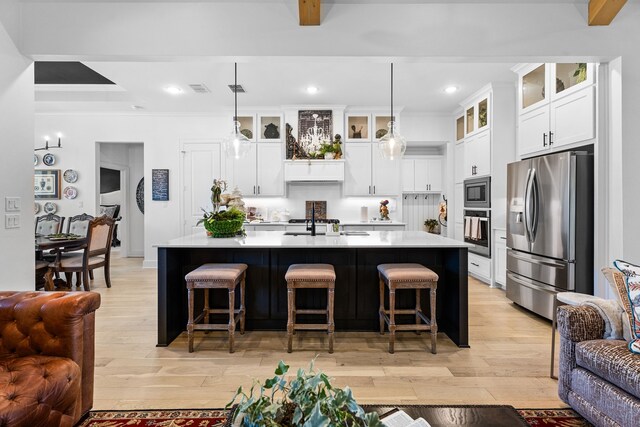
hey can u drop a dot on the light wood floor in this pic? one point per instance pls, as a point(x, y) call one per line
point(508, 362)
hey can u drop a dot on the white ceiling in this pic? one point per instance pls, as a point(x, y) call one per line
point(274, 82)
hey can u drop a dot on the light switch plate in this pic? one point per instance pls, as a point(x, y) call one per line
point(12, 204)
point(11, 221)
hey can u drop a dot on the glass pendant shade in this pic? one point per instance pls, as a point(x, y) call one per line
point(392, 145)
point(236, 145)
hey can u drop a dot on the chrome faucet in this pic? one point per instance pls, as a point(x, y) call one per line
point(313, 219)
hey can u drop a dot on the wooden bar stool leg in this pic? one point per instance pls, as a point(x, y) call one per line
point(418, 310)
point(242, 308)
point(434, 323)
point(291, 301)
point(330, 315)
point(381, 309)
point(232, 320)
point(190, 321)
point(206, 306)
point(392, 319)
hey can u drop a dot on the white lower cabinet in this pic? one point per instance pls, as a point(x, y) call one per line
point(480, 267)
point(500, 258)
point(459, 231)
point(477, 155)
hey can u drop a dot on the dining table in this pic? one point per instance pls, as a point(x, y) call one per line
point(58, 246)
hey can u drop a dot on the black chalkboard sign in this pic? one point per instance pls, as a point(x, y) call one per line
point(160, 184)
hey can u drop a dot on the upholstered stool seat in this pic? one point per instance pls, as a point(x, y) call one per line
point(310, 276)
point(407, 276)
point(216, 276)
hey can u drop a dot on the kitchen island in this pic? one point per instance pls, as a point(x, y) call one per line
point(354, 257)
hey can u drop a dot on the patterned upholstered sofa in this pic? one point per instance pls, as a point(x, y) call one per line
point(599, 378)
point(46, 357)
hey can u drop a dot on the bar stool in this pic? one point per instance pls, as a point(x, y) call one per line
point(310, 276)
point(407, 276)
point(216, 276)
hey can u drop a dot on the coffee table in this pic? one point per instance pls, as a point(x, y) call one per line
point(458, 415)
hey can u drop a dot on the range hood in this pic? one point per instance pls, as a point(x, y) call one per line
point(314, 170)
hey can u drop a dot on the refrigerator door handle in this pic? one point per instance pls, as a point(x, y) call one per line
point(529, 205)
point(528, 284)
point(535, 199)
point(527, 231)
point(536, 260)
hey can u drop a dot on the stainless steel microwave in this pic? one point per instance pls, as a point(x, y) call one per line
point(477, 193)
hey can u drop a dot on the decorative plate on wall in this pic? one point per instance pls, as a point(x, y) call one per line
point(50, 207)
point(49, 159)
point(36, 160)
point(140, 195)
point(70, 176)
point(70, 192)
point(36, 207)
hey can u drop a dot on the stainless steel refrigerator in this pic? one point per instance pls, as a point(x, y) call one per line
point(549, 229)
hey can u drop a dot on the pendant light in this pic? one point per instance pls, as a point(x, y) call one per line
point(392, 145)
point(236, 145)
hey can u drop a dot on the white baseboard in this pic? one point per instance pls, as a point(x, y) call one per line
point(150, 263)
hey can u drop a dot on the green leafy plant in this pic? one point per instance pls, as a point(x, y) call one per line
point(223, 223)
point(307, 400)
point(431, 224)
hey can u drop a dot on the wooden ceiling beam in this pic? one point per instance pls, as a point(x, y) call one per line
point(602, 12)
point(309, 11)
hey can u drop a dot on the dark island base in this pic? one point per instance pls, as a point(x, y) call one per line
point(356, 293)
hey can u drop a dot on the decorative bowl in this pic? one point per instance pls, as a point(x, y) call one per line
point(225, 228)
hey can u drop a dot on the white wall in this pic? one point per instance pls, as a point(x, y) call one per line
point(129, 156)
point(16, 171)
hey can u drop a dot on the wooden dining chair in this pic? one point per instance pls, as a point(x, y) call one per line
point(79, 224)
point(96, 253)
point(49, 224)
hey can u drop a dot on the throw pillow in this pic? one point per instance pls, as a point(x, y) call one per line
point(632, 280)
point(619, 289)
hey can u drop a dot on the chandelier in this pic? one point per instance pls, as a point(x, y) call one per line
point(315, 137)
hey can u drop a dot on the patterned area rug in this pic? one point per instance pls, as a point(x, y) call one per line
point(217, 418)
point(553, 417)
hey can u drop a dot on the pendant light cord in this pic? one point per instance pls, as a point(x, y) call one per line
point(391, 118)
point(235, 93)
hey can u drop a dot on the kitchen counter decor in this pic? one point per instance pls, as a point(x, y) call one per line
point(221, 223)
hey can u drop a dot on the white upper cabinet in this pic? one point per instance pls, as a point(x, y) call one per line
point(260, 172)
point(270, 179)
point(476, 116)
point(422, 175)
point(385, 175)
point(459, 163)
point(357, 180)
point(477, 155)
point(459, 129)
point(559, 117)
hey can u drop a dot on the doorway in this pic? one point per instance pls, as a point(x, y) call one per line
point(121, 170)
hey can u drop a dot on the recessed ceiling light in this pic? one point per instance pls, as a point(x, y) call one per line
point(312, 90)
point(451, 89)
point(173, 90)
point(137, 107)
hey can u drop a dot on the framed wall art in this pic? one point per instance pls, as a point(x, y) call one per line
point(306, 121)
point(358, 129)
point(46, 184)
point(160, 184)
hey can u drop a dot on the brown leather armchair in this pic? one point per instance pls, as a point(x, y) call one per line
point(47, 344)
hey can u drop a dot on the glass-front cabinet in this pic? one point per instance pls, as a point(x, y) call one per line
point(476, 116)
point(470, 119)
point(460, 128)
point(483, 113)
point(533, 87)
point(571, 77)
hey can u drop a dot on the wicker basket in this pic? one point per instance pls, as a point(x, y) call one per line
point(226, 228)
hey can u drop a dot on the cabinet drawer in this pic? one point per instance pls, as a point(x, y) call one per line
point(480, 266)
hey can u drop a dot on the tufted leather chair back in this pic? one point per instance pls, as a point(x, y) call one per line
point(58, 324)
point(49, 224)
point(79, 224)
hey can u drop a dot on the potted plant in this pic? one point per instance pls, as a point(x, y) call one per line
point(308, 399)
point(327, 151)
point(431, 225)
point(221, 223)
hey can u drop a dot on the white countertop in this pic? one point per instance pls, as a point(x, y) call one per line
point(341, 223)
point(277, 239)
